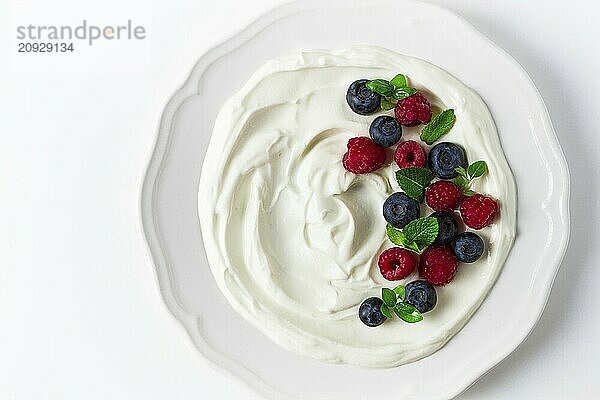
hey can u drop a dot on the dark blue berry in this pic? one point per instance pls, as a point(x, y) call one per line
point(468, 247)
point(448, 227)
point(370, 313)
point(399, 210)
point(422, 295)
point(385, 131)
point(444, 158)
point(361, 99)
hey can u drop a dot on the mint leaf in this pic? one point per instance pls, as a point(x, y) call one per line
point(438, 126)
point(416, 235)
point(386, 104)
point(396, 236)
point(477, 169)
point(462, 182)
point(382, 87)
point(398, 81)
point(403, 92)
point(407, 308)
point(389, 297)
point(413, 181)
point(412, 246)
point(385, 310)
point(464, 178)
point(395, 89)
point(461, 171)
point(411, 318)
point(420, 233)
point(400, 291)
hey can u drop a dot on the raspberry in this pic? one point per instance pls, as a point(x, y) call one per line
point(438, 265)
point(478, 211)
point(413, 110)
point(410, 154)
point(363, 155)
point(396, 263)
point(443, 196)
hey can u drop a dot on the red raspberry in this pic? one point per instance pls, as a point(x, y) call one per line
point(438, 265)
point(413, 110)
point(363, 155)
point(396, 263)
point(478, 211)
point(410, 154)
point(443, 196)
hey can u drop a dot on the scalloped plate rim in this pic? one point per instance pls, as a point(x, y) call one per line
point(155, 161)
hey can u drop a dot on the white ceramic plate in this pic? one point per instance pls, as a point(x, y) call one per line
point(169, 200)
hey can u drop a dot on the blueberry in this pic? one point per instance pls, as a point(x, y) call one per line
point(444, 158)
point(468, 247)
point(369, 312)
point(399, 210)
point(385, 131)
point(448, 227)
point(422, 295)
point(361, 99)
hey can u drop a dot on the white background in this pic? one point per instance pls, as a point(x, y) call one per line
point(80, 312)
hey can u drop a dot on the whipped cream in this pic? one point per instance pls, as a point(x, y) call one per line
point(292, 238)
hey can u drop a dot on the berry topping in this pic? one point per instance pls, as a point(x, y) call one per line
point(421, 294)
point(396, 263)
point(410, 154)
point(385, 131)
point(361, 99)
point(413, 110)
point(436, 237)
point(438, 265)
point(478, 211)
point(443, 196)
point(399, 210)
point(447, 227)
point(468, 247)
point(444, 158)
point(363, 155)
point(370, 313)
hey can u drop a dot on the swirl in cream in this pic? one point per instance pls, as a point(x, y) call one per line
point(292, 238)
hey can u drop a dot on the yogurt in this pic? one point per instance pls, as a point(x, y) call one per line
point(292, 238)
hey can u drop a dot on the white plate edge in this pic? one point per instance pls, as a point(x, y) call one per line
point(189, 88)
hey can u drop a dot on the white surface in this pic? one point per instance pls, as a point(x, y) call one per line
point(81, 314)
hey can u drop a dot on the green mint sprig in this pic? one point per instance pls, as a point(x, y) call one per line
point(391, 91)
point(413, 181)
point(438, 126)
point(465, 177)
point(416, 236)
point(393, 300)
